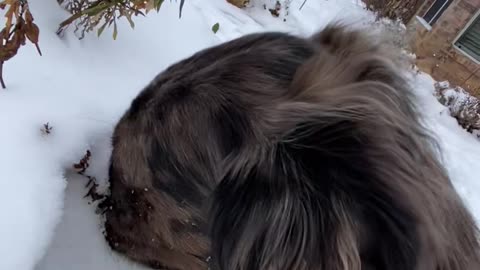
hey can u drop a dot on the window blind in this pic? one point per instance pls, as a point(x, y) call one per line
point(469, 41)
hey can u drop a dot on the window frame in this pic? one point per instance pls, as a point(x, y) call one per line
point(475, 16)
point(439, 13)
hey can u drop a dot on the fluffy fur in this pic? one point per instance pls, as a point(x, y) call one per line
point(277, 152)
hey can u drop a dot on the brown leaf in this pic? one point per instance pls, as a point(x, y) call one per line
point(9, 16)
point(32, 32)
point(149, 6)
point(10, 49)
point(9, 2)
point(28, 16)
point(18, 28)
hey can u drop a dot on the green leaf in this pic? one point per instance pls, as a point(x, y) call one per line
point(115, 31)
point(129, 18)
point(215, 28)
point(100, 30)
point(158, 4)
point(94, 9)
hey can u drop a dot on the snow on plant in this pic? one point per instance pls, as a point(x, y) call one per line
point(88, 15)
point(464, 107)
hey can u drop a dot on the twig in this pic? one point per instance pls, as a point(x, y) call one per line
point(1, 76)
point(303, 4)
point(182, 2)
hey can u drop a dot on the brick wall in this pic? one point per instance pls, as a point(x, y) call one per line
point(425, 7)
point(435, 51)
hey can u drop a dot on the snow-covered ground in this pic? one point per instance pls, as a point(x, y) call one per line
point(82, 87)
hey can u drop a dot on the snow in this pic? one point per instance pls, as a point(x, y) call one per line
point(82, 87)
point(78, 243)
point(460, 149)
point(463, 106)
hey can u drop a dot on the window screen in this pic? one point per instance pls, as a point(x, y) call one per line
point(469, 41)
point(436, 10)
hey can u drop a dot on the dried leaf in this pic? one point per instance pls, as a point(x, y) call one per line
point(9, 16)
point(87, 14)
point(149, 6)
point(28, 17)
point(239, 3)
point(32, 32)
point(19, 28)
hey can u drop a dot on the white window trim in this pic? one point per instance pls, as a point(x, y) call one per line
point(474, 17)
point(423, 22)
point(438, 11)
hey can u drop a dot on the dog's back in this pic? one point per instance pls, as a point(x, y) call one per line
point(169, 146)
point(284, 153)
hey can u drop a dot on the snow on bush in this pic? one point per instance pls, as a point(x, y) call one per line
point(460, 150)
point(463, 106)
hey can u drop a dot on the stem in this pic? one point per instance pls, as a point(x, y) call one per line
point(38, 49)
point(1, 75)
point(303, 4)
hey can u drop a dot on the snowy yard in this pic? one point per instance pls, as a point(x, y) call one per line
point(81, 87)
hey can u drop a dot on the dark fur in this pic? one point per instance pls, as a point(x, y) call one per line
point(277, 152)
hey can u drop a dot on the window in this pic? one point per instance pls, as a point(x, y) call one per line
point(436, 10)
point(469, 41)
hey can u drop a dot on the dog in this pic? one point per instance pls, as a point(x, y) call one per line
point(273, 152)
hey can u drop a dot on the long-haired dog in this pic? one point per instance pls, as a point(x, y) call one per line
point(275, 152)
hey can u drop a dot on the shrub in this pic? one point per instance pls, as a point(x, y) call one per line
point(395, 9)
point(86, 15)
point(462, 106)
point(19, 27)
